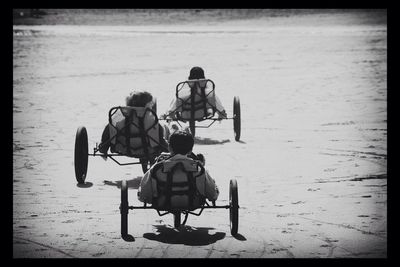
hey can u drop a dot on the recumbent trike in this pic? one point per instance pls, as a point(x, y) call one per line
point(196, 102)
point(179, 196)
point(134, 133)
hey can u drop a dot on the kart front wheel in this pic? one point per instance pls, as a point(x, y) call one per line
point(233, 207)
point(81, 154)
point(236, 117)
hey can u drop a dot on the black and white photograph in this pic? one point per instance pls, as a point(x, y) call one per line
point(199, 133)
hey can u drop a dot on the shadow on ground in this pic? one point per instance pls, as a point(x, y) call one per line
point(133, 183)
point(128, 238)
point(185, 235)
point(209, 141)
point(239, 237)
point(84, 185)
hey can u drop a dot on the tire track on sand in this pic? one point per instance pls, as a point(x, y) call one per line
point(46, 246)
point(288, 252)
point(347, 226)
point(264, 248)
point(210, 251)
point(138, 253)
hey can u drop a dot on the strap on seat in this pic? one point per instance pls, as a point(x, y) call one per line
point(165, 188)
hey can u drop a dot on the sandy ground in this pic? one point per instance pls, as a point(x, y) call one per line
point(311, 165)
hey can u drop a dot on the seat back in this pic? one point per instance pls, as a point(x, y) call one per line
point(134, 131)
point(196, 99)
point(178, 185)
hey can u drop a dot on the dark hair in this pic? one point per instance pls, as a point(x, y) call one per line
point(138, 99)
point(181, 142)
point(196, 73)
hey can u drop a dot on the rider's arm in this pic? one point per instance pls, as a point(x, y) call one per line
point(219, 106)
point(145, 192)
point(172, 108)
point(105, 142)
point(163, 141)
point(211, 188)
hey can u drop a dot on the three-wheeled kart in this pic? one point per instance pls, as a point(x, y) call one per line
point(133, 133)
point(196, 102)
point(233, 207)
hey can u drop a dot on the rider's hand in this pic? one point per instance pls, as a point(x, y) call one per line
point(222, 115)
point(201, 158)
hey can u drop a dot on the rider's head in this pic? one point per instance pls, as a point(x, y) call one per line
point(196, 73)
point(181, 142)
point(138, 99)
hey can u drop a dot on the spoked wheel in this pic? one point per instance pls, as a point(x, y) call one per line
point(81, 154)
point(192, 126)
point(236, 117)
point(177, 219)
point(234, 207)
point(124, 208)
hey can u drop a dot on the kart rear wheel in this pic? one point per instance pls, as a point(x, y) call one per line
point(177, 219)
point(234, 207)
point(236, 117)
point(192, 126)
point(124, 208)
point(81, 154)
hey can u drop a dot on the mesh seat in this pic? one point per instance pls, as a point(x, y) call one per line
point(178, 185)
point(196, 99)
point(134, 131)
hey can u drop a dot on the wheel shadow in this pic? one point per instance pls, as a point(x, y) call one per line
point(185, 235)
point(239, 237)
point(84, 185)
point(133, 183)
point(128, 238)
point(209, 141)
